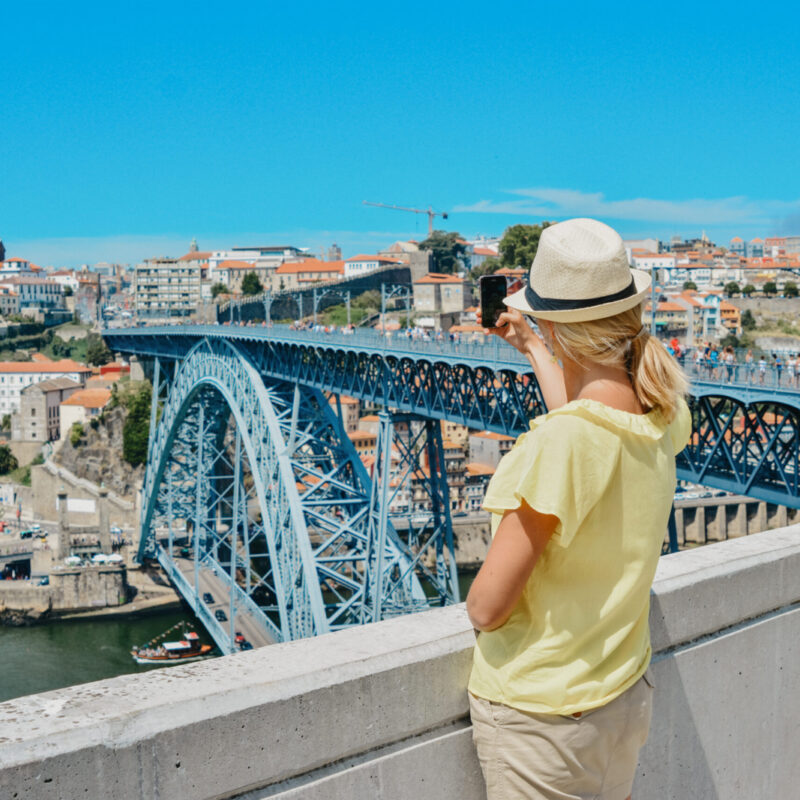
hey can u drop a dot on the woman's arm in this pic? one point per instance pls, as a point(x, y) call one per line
point(519, 541)
point(514, 329)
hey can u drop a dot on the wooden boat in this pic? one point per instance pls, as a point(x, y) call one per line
point(186, 649)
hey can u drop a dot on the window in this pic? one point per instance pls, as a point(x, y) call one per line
point(33, 412)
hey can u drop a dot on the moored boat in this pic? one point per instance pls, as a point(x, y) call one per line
point(186, 649)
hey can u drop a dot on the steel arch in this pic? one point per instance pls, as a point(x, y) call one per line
point(220, 366)
point(310, 487)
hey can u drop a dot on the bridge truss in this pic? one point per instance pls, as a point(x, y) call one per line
point(257, 489)
point(252, 477)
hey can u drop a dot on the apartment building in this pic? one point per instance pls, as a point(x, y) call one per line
point(33, 292)
point(362, 264)
point(166, 287)
point(82, 406)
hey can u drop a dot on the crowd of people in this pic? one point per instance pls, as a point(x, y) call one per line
point(716, 363)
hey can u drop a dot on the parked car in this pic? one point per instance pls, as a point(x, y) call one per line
point(245, 645)
point(27, 534)
point(239, 638)
point(45, 581)
point(220, 615)
point(208, 598)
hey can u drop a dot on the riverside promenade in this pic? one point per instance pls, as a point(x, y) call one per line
point(380, 711)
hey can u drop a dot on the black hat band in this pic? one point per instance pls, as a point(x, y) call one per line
point(538, 303)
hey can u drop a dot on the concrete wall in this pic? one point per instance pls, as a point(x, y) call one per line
point(381, 712)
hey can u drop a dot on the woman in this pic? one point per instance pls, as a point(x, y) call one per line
point(730, 362)
point(559, 699)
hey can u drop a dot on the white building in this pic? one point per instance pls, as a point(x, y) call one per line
point(262, 260)
point(19, 268)
point(16, 375)
point(38, 292)
point(65, 278)
point(82, 406)
point(361, 264)
point(651, 261)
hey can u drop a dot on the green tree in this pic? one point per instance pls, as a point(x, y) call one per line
point(97, 352)
point(8, 460)
point(76, 434)
point(519, 245)
point(748, 289)
point(136, 430)
point(790, 289)
point(769, 288)
point(489, 266)
point(218, 289)
point(5, 424)
point(732, 288)
point(448, 252)
point(251, 284)
point(748, 320)
point(689, 285)
point(67, 291)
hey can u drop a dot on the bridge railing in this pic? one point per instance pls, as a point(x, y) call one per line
point(479, 347)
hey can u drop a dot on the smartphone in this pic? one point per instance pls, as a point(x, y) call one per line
point(493, 289)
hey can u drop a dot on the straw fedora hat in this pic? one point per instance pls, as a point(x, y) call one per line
point(580, 273)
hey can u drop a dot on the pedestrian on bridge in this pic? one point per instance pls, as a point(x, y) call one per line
point(560, 693)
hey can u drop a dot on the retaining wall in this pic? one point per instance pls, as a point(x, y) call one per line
point(381, 712)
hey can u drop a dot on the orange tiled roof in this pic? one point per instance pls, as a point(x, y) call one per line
point(196, 257)
point(65, 365)
point(310, 265)
point(89, 398)
point(230, 264)
point(40, 358)
point(438, 277)
point(474, 468)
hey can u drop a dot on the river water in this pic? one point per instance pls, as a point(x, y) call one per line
point(66, 652)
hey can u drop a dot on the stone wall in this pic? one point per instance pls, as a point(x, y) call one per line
point(381, 711)
point(70, 589)
point(80, 588)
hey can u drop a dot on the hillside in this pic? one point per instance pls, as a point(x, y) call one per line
point(98, 455)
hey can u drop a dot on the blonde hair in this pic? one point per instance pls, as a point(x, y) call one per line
point(621, 341)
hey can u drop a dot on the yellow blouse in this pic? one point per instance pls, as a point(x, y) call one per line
point(579, 635)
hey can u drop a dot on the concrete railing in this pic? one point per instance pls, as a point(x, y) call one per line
point(381, 711)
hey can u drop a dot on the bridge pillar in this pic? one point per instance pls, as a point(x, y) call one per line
point(717, 524)
point(695, 531)
point(781, 517)
point(680, 527)
point(761, 520)
point(739, 522)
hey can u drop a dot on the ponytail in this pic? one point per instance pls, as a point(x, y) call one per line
point(656, 377)
point(620, 341)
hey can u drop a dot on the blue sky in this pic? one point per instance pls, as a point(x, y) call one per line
point(126, 129)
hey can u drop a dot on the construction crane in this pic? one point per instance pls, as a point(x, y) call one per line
point(429, 211)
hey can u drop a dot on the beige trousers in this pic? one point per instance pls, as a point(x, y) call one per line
point(591, 756)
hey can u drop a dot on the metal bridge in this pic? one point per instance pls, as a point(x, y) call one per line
point(257, 505)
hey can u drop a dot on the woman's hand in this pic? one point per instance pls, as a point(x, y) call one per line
point(513, 328)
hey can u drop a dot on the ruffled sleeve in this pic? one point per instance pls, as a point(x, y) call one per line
point(558, 468)
point(680, 429)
